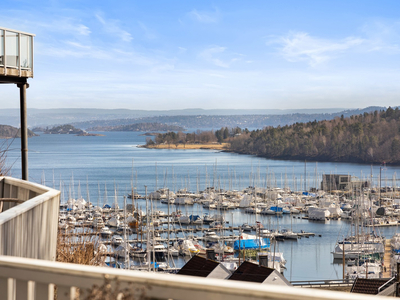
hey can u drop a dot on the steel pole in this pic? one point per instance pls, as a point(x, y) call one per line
point(24, 130)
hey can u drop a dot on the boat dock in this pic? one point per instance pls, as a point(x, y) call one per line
point(175, 231)
point(387, 270)
point(388, 224)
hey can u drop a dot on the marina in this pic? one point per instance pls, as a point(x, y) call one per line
point(120, 167)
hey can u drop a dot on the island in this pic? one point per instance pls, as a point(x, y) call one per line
point(65, 129)
point(9, 132)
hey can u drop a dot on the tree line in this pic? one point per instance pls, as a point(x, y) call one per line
point(365, 138)
point(197, 137)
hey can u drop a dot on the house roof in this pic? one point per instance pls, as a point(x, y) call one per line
point(198, 266)
point(368, 286)
point(248, 271)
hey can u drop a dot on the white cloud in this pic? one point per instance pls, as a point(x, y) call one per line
point(382, 36)
point(77, 45)
point(300, 46)
point(205, 17)
point(148, 33)
point(182, 50)
point(213, 55)
point(82, 29)
point(112, 27)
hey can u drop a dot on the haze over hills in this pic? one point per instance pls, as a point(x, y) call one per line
point(250, 121)
point(212, 118)
point(58, 116)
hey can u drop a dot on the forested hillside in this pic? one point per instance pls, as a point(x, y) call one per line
point(366, 138)
point(7, 131)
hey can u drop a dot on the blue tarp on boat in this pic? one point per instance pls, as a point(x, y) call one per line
point(276, 208)
point(309, 194)
point(194, 217)
point(252, 244)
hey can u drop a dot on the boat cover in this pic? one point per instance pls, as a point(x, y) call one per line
point(252, 244)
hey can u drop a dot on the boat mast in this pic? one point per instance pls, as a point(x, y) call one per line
point(127, 260)
point(168, 229)
point(147, 228)
point(153, 236)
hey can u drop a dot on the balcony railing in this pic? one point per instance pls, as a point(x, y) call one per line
point(22, 278)
point(28, 219)
point(16, 53)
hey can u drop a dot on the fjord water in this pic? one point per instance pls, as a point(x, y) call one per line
point(115, 161)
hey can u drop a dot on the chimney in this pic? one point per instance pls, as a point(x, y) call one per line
point(263, 260)
point(210, 254)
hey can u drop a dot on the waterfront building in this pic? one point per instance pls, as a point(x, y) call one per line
point(341, 182)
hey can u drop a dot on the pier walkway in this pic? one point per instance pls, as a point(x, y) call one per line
point(387, 260)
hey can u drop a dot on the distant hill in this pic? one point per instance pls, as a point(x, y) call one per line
point(231, 121)
point(60, 116)
point(187, 118)
point(7, 132)
point(138, 127)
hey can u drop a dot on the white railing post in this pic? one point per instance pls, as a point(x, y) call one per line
point(11, 289)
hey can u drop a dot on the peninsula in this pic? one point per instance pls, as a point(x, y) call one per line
point(371, 138)
point(180, 140)
point(182, 146)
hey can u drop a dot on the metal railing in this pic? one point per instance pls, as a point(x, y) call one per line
point(23, 278)
point(387, 284)
point(16, 53)
point(28, 229)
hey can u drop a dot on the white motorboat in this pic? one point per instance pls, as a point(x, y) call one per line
point(105, 232)
point(210, 236)
point(114, 221)
point(123, 250)
point(288, 234)
point(117, 240)
point(159, 251)
point(98, 222)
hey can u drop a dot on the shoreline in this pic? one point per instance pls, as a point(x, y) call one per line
point(225, 147)
point(211, 146)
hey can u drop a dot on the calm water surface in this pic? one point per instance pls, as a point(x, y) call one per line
point(114, 162)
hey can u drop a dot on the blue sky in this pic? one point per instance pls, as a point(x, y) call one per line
point(209, 54)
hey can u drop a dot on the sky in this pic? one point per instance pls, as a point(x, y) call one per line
point(160, 54)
